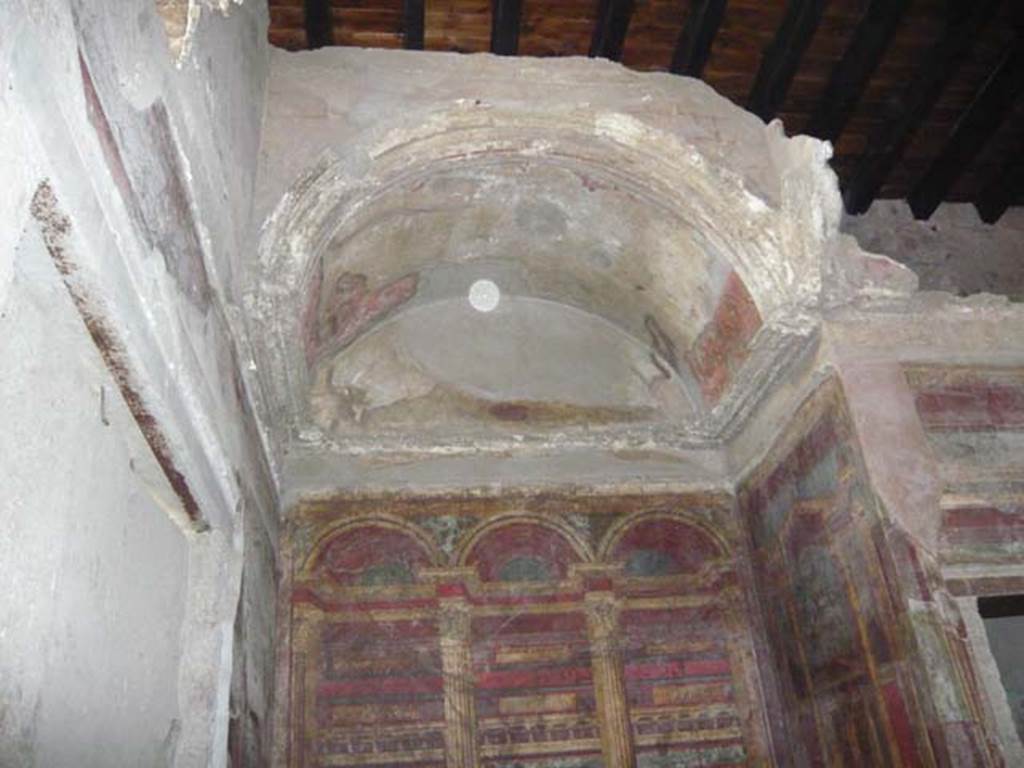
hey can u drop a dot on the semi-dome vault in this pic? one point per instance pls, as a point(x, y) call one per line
point(659, 255)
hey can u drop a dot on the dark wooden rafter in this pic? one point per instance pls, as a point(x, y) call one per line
point(319, 23)
point(610, 30)
point(782, 58)
point(412, 24)
point(505, 17)
point(859, 62)
point(887, 143)
point(937, 47)
point(972, 131)
point(1004, 189)
point(695, 39)
point(1001, 606)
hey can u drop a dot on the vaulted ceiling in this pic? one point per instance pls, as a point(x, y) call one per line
point(923, 99)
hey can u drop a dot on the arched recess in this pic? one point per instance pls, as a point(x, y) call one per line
point(370, 552)
point(748, 266)
point(663, 543)
point(518, 547)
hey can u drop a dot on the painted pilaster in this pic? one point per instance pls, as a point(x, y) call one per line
point(457, 663)
point(609, 683)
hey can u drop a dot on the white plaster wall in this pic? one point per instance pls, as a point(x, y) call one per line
point(952, 251)
point(89, 663)
point(94, 570)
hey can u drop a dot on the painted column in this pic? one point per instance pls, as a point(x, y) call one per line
point(609, 683)
point(459, 704)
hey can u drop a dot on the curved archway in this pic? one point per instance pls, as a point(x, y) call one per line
point(686, 290)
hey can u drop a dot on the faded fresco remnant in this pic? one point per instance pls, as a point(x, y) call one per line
point(871, 658)
point(822, 569)
point(724, 343)
point(348, 307)
point(971, 416)
point(973, 419)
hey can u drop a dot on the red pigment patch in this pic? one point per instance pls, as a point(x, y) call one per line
point(996, 531)
point(351, 307)
point(977, 405)
point(510, 412)
point(902, 727)
point(722, 346)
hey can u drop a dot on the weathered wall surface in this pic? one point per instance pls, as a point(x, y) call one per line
point(390, 181)
point(134, 176)
point(95, 570)
point(952, 251)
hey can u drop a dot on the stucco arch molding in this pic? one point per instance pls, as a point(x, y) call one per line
point(776, 225)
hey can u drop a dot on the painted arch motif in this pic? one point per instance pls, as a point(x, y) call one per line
point(523, 548)
point(521, 647)
point(662, 544)
point(370, 553)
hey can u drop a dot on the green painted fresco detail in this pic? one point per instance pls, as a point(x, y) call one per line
point(447, 530)
point(526, 568)
point(771, 519)
point(382, 574)
point(650, 562)
point(551, 762)
point(733, 754)
point(822, 479)
point(581, 524)
point(822, 608)
point(302, 537)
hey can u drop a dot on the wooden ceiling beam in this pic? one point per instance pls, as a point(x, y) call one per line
point(853, 71)
point(694, 45)
point(782, 58)
point(505, 18)
point(412, 21)
point(972, 131)
point(319, 23)
point(610, 30)
point(888, 142)
point(1001, 606)
point(1002, 190)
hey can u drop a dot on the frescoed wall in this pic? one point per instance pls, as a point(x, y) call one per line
point(974, 421)
point(832, 605)
point(520, 633)
point(792, 624)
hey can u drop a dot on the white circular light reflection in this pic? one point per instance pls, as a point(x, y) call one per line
point(484, 295)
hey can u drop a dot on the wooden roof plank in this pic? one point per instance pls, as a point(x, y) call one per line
point(505, 22)
point(412, 24)
point(319, 23)
point(859, 62)
point(610, 31)
point(695, 39)
point(975, 127)
point(889, 141)
point(782, 58)
point(1002, 190)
